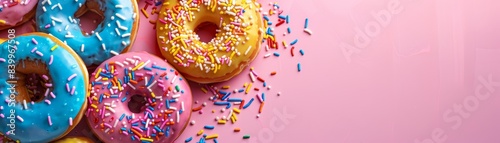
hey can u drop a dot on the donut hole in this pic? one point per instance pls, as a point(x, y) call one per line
point(137, 103)
point(32, 80)
point(206, 31)
point(90, 17)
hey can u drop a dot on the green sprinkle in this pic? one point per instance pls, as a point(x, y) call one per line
point(246, 136)
point(177, 88)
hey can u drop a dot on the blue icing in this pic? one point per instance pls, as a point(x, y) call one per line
point(35, 127)
point(93, 53)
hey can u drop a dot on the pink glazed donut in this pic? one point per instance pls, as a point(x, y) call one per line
point(138, 97)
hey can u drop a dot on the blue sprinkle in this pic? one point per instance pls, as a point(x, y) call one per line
point(133, 75)
point(248, 104)
point(158, 67)
point(289, 30)
point(153, 135)
point(173, 100)
point(151, 80)
point(204, 135)
point(167, 103)
point(209, 127)
point(189, 139)
point(147, 68)
point(215, 141)
point(221, 103)
point(172, 70)
point(282, 17)
point(241, 90)
point(106, 67)
point(133, 138)
point(158, 3)
point(157, 128)
point(287, 19)
point(234, 100)
point(264, 84)
point(109, 86)
point(180, 111)
point(306, 23)
point(222, 92)
point(135, 124)
point(100, 98)
point(301, 52)
point(269, 23)
point(114, 96)
point(263, 97)
point(151, 108)
point(299, 68)
point(124, 99)
point(123, 129)
point(276, 54)
point(294, 42)
point(226, 96)
point(266, 18)
point(93, 83)
point(98, 83)
point(121, 118)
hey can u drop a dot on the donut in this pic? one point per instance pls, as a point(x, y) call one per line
point(75, 140)
point(50, 81)
point(16, 12)
point(236, 44)
point(138, 97)
point(113, 36)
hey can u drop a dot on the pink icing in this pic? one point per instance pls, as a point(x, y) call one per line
point(103, 121)
point(14, 14)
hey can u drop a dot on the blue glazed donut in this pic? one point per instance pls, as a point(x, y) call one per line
point(115, 35)
point(43, 113)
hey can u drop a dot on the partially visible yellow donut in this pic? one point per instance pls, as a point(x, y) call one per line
point(235, 45)
point(74, 140)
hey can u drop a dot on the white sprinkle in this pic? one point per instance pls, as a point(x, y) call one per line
point(308, 31)
point(70, 19)
point(56, 19)
point(248, 49)
point(59, 5)
point(54, 6)
point(70, 121)
point(178, 118)
point(126, 35)
point(114, 53)
point(173, 79)
point(103, 46)
point(116, 123)
point(119, 6)
point(120, 64)
point(120, 16)
point(147, 62)
point(130, 84)
point(252, 77)
point(154, 82)
point(176, 96)
point(267, 55)
point(182, 106)
point(111, 109)
point(124, 43)
point(117, 31)
point(44, 9)
point(82, 48)
point(66, 28)
point(20, 119)
point(25, 105)
point(192, 122)
point(98, 36)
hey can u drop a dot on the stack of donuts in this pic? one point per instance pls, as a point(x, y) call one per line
point(58, 76)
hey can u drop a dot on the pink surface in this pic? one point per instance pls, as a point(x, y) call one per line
point(430, 74)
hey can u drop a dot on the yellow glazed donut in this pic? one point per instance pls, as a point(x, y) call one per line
point(74, 140)
point(236, 44)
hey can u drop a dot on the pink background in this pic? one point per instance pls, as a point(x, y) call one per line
point(418, 78)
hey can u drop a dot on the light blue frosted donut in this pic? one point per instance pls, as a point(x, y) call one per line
point(113, 36)
point(61, 108)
